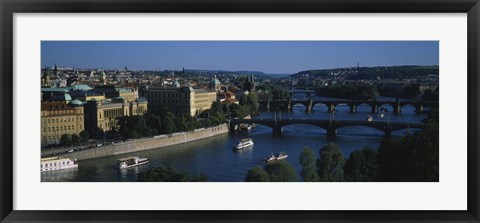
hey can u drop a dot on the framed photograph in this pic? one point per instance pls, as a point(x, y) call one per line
point(236, 111)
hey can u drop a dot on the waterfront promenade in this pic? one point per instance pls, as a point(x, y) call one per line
point(147, 143)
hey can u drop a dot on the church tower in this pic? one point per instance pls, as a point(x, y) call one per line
point(45, 78)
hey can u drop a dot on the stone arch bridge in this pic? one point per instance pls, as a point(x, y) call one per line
point(287, 105)
point(330, 125)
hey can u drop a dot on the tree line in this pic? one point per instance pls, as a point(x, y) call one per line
point(169, 174)
point(74, 139)
point(274, 92)
point(349, 91)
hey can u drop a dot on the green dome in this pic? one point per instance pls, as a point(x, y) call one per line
point(62, 97)
point(75, 102)
point(214, 82)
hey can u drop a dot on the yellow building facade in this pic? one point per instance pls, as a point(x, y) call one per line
point(59, 118)
point(103, 114)
point(179, 100)
point(203, 100)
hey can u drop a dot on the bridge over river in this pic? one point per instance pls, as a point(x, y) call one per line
point(330, 125)
point(287, 105)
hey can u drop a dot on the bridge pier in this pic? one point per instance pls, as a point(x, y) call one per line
point(309, 106)
point(388, 133)
point(331, 107)
point(353, 108)
point(331, 131)
point(397, 108)
point(419, 108)
point(231, 127)
point(374, 108)
point(277, 131)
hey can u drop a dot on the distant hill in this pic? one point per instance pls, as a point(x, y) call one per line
point(384, 72)
point(257, 74)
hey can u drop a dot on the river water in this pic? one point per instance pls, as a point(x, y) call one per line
point(215, 157)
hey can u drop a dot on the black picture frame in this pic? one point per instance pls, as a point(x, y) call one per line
point(9, 7)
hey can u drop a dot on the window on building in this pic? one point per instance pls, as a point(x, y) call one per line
point(48, 129)
point(48, 120)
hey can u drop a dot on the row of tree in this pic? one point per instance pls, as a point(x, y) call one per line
point(274, 91)
point(349, 91)
point(373, 73)
point(169, 174)
point(248, 105)
point(74, 139)
point(166, 122)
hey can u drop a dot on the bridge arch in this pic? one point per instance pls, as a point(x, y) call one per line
point(309, 124)
point(316, 130)
point(388, 106)
point(342, 107)
point(356, 126)
point(364, 107)
point(297, 104)
point(361, 130)
point(319, 106)
point(408, 108)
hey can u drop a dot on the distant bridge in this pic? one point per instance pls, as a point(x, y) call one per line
point(287, 105)
point(309, 93)
point(330, 125)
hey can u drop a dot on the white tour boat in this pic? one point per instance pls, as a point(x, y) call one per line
point(243, 143)
point(131, 162)
point(278, 156)
point(57, 163)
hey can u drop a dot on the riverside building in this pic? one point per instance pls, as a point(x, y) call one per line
point(102, 114)
point(59, 118)
point(179, 100)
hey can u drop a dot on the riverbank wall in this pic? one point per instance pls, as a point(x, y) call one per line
point(147, 143)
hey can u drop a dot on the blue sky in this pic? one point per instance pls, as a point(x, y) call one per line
point(266, 56)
